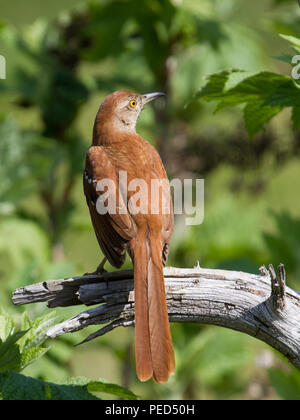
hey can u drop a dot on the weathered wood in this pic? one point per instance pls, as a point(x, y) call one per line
point(257, 304)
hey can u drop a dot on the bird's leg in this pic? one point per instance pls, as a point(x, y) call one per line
point(100, 269)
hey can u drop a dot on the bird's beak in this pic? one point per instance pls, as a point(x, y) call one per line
point(147, 97)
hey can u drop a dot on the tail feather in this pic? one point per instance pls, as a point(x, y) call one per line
point(154, 348)
point(142, 336)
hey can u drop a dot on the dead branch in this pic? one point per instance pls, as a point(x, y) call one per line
point(256, 304)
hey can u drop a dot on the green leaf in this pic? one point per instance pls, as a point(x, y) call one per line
point(20, 349)
point(292, 40)
point(29, 356)
point(15, 386)
point(263, 95)
point(285, 58)
point(10, 357)
point(35, 335)
point(256, 114)
point(103, 386)
point(7, 325)
point(215, 86)
point(296, 117)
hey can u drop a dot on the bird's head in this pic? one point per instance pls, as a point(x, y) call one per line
point(121, 110)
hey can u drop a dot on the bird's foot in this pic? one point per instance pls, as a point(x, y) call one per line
point(96, 272)
point(99, 270)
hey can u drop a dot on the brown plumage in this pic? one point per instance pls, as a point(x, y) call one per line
point(145, 235)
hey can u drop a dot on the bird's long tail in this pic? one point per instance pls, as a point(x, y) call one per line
point(153, 342)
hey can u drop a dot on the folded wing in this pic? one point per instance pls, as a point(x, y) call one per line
point(116, 228)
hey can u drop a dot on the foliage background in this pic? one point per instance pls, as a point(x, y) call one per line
point(63, 57)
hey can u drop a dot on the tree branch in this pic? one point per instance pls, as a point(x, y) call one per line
point(259, 305)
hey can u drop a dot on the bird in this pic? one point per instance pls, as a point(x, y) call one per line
point(144, 235)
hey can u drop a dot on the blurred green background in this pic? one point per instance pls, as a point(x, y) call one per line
point(63, 57)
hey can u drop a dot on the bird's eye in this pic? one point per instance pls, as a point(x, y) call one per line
point(133, 103)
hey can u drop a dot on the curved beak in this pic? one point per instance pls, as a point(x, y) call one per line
point(147, 97)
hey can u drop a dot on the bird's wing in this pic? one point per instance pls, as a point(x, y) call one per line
point(114, 230)
point(158, 172)
point(167, 231)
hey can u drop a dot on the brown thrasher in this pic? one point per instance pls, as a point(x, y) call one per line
point(145, 235)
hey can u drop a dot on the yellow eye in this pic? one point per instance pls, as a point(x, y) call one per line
point(133, 103)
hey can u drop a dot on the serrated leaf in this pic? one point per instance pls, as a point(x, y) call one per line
point(10, 341)
point(10, 353)
point(215, 86)
point(6, 326)
point(19, 349)
point(14, 357)
point(257, 114)
point(263, 94)
point(104, 386)
point(31, 355)
point(35, 335)
point(15, 386)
